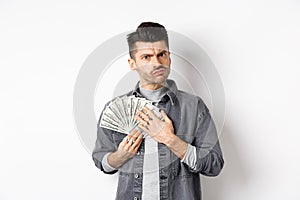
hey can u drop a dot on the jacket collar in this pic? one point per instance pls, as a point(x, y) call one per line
point(171, 93)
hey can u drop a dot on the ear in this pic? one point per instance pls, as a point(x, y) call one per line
point(131, 63)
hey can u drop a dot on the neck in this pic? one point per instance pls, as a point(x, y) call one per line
point(151, 86)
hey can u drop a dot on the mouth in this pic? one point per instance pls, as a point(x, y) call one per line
point(159, 71)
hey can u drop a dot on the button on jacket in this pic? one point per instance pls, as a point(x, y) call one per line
point(192, 123)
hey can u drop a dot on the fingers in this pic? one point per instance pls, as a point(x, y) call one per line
point(146, 116)
point(127, 143)
point(132, 141)
point(150, 114)
point(128, 137)
point(136, 144)
point(164, 115)
point(142, 121)
point(142, 117)
point(133, 133)
point(144, 127)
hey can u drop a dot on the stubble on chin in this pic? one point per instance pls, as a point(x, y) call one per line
point(148, 78)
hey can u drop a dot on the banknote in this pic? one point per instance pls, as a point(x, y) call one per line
point(119, 114)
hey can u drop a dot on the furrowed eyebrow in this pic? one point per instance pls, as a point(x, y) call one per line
point(149, 54)
point(146, 54)
point(160, 53)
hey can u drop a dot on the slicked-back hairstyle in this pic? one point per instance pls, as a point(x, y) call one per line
point(147, 32)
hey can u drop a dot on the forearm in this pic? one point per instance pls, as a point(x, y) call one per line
point(177, 146)
point(126, 150)
point(116, 159)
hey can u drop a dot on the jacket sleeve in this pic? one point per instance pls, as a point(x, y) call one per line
point(104, 144)
point(209, 158)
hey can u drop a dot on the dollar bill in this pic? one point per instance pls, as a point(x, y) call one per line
point(119, 114)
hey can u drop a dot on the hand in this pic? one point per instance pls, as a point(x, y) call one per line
point(160, 130)
point(130, 144)
point(126, 149)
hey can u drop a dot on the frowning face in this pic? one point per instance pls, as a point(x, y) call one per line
point(152, 62)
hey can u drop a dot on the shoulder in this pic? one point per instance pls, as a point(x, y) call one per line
point(188, 97)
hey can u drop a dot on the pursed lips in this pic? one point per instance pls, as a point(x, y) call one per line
point(159, 70)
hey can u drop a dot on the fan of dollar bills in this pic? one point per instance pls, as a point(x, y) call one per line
point(119, 115)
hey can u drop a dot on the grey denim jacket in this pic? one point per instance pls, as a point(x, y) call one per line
point(192, 123)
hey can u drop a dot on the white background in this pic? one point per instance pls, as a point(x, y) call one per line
point(255, 48)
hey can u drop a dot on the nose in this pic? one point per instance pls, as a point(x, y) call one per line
point(155, 61)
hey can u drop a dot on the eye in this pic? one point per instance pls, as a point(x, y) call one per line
point(145, 57)
point(162, 54)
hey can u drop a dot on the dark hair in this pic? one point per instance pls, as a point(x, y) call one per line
point(147, 32)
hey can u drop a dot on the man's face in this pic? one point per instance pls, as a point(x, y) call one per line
point(152, 62)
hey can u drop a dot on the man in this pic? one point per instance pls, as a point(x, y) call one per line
point(163, 157)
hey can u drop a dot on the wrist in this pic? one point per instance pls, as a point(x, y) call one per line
point(178, 146)
point(171, 140)
point(120, 155)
